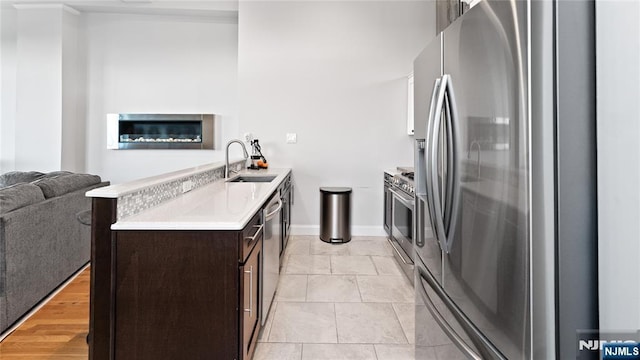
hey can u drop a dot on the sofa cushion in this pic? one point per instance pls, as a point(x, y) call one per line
point(63, 184)
point(56, 173)
point(16, 177)
point(19, 195)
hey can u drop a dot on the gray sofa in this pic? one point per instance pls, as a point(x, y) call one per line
point(45, 236)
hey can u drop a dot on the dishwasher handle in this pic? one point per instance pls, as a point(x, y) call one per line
point(273, 213)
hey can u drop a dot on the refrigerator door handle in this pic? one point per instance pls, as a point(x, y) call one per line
point(428, 198)
point(450, 151)
point(453, 181)
point(433, 189)
point(427, 141)
point(487, 350)
point(432, 105)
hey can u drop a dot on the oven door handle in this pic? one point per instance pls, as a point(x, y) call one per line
point(399, 253)
point(403, 199)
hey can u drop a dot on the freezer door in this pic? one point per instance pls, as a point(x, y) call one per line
point(486, 209)
point(444, 332)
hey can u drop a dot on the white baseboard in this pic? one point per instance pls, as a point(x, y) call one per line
point(305, 229)
point(357, 230)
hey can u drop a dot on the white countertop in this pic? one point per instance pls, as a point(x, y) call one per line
point(117, 190)
point(219, 205)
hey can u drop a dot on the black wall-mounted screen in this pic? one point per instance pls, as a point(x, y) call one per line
point(160, 131)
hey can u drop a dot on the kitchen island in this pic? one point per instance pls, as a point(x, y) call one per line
point(176, 263)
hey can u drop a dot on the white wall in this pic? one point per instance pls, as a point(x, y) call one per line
point(40, 85)
point(618, 92)
point(8, 19)
point(157, 64)
point(334, 73)
point(73, 152)
point(38, 89)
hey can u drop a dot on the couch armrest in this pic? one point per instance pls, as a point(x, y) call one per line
point(84, 217)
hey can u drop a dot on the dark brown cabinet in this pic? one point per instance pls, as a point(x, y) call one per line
point(250, 278)
point(250, 282)
point(180, 295)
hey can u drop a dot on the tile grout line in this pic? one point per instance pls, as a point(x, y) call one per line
point(358, 286)
point(306, 292)
point(330, 267)
point(272, 321)
point(335, 317)
point(404, 332)
point(374, 265)
point(271, 324)
point(375, 351)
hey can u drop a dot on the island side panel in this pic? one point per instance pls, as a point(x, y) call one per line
point(176, 295)
point(103, 214)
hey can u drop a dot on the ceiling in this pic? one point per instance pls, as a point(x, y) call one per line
point(209, 8)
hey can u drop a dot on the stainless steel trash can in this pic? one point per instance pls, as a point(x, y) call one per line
point(335, 214)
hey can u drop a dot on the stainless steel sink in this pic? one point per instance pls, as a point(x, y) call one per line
point(253, 178)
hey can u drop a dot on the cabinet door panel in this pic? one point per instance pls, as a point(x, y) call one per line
point(176, 295)
point(250, 275)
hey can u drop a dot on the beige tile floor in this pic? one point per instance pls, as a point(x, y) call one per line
point(339, 301)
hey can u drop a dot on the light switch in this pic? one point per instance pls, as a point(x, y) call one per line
point(292, 138)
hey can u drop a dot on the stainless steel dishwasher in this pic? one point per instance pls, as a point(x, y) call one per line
point(270, 252)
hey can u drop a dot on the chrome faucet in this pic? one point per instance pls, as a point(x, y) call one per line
point(475, 142)
point(226, 157)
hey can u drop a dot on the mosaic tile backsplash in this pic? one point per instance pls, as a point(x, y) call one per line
point(133, 203)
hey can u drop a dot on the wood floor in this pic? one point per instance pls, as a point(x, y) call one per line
point(57, 331)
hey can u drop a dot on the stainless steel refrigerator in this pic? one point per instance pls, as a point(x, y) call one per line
point(505, 192)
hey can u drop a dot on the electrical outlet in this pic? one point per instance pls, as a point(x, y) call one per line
point(292, 138)
point(187, 186)
point(248, 137)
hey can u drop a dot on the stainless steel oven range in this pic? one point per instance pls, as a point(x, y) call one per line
point(402, 219)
